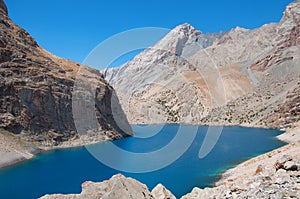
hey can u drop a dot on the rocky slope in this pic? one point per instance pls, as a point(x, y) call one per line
point(231, 72)
point(274, 102)
point(271, 175)
point(36, 93)
point(13, 149)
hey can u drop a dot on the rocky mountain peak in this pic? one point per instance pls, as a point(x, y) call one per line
point(184, 40)
point(187, 29)
point(292, 11)
point(3, 7)
point(267, 51)
point(240, 29)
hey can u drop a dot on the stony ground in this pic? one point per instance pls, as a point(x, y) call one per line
point(13, 149)
point(273, 175)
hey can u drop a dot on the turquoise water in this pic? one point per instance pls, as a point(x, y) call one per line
point(63, 171)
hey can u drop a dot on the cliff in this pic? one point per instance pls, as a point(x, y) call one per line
point(36, 90)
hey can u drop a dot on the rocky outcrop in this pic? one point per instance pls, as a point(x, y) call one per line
point(116, 187)
point(119, 187)
point(36, 93)
point(226, 73)
point(160, 192)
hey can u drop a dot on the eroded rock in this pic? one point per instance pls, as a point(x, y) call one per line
point(161, 192)
point(117, 186)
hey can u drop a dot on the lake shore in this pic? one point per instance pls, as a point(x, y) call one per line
point(14, 150)
point(292, 137)
point(274, 173)
point(246, 171)
point(271, 175)
point(248, 168)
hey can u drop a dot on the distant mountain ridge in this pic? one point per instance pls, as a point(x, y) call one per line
point(188, 76)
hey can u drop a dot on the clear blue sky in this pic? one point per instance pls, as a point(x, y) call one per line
point(71, 28)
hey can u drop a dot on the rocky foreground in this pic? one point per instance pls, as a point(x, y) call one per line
point(117, 187)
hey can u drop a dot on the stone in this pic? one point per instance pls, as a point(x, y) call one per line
point(160, 192)
point(282, 177)
point(290, 166)
point(198, 193)
point(117, 186)
point(259, 169)
point(280, 163)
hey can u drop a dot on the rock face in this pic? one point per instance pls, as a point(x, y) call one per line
point(3, 7)
point(160, 192)
point(196, 78)
point(274, 102)
point(157, 78)
point(36, 92)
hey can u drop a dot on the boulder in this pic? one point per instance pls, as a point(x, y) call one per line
point(117, 186)
point(279, 164)
point(160, 192)
point(290, 166)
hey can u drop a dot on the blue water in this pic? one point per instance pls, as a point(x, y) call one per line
point(63, 171)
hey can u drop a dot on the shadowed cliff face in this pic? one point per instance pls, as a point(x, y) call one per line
point(36, 91)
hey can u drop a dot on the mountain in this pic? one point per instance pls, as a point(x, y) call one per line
point(240, 77)
point(237, 77)
point(36, 89)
